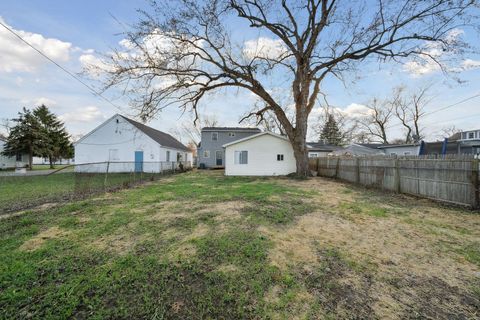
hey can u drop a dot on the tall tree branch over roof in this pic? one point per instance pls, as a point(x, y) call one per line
point(181, 50)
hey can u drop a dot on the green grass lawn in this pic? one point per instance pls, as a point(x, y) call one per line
point(18, 192)
point(37, 167)
point(200, 245)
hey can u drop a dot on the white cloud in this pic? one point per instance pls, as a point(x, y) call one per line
point(45, 101)
point(17, 56)
point(86, 114)
point(469, 64)
point(93, 64)
point(264, 48)
point(355, 110)
point(435, 54)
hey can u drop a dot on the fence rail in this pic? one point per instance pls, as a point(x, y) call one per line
point(23, 191)
point(452, 180)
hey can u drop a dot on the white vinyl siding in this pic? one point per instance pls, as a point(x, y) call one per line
point(113, 155)
point(261, 157)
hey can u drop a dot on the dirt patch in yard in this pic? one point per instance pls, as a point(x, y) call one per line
point(37, 241)
point(395, 258)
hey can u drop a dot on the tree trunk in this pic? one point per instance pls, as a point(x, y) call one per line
point(30, 160)
point(299, 144)
point(301, 159)
point(51, 162)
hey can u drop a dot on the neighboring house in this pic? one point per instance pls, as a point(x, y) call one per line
point(262, 154)
point(412, 149)
point(469, 142)
point(7, 162)
point(360, 149)
point(128, 146)
point(210, 151)
point(466, 142)
point(45, 161)
point(321, 149)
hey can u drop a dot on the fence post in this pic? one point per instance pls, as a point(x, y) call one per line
point(396, 178)
point(337, 165)
point(106, 175)
point(357, 168)
point(476, 184)
point(318, 166)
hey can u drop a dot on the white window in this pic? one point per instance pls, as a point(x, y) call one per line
point(241, 157)
point(406, 153)
point(113, 155)
point(19, 157)
point(168, 156)
point(231, 134)
point(206, 154)
point(214, 136)
point(393, 153)
point(313, 155)
point(471, 135)
point(279, 157)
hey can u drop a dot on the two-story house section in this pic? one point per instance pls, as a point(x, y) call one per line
point(470, 142)
point(210, 152)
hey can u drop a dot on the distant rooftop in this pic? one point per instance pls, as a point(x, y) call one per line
point(373, 145)
point(231, 129)
point(322, 146)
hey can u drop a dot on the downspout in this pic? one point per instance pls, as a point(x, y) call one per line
point(421, 152)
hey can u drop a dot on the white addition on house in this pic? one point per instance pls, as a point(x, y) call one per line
point(262, 154)
point(128, 146)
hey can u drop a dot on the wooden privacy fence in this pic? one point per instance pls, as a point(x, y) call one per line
point(450, 180)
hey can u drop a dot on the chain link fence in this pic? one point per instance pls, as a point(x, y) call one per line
point(34, 188)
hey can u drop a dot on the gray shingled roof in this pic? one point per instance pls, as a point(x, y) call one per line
point(230, 129)
point(162, 138)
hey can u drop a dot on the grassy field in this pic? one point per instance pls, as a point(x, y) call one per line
point(18, 192)
point(201, 245)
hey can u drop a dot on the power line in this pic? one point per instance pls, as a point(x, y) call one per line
point(91, 89)
point(443, 108)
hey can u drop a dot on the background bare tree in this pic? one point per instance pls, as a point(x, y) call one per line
point(182, 50)
point(409, 109)
point(377, 120)
point(448, 132)
point(190, 131)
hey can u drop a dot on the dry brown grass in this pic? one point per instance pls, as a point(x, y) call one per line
point(408, 251)
point(38, 240)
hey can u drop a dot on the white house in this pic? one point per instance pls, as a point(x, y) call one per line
point(262, 154)
point(128, 146)
point(401, 149)
point(7, 162)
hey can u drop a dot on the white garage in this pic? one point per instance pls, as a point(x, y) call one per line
point(128, 146)
point(263, 154)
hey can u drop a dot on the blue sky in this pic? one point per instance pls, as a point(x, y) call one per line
point(67, 30)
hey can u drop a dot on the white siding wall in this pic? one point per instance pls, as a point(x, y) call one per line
point(315, 154)
point(262, 157)
point(402, 150)
point(10, 162)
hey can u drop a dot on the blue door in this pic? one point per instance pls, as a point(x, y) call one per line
point(138, 161)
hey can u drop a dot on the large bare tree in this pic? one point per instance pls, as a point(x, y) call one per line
point(410, 109)
point(377, 120)
point(182, 50)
